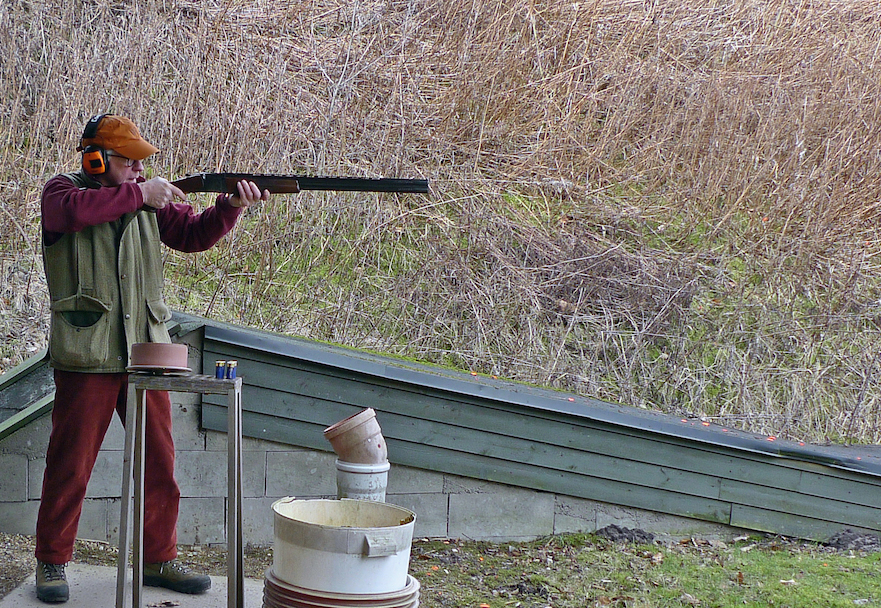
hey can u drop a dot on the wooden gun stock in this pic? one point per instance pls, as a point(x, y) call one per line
point(290, 184)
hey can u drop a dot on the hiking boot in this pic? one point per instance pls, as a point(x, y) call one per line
point(175, 576)
point(51, 583)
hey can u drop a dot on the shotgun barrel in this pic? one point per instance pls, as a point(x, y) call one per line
point(288, 184)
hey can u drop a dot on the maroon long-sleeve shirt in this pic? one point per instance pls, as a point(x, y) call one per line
point(67, 208)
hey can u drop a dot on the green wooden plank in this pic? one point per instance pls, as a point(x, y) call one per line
point(560, 482)
point(34, 411)
point(25, 367)
point(26, 384)
point(214, 418)
point(307, 409)
point(830, 508)
point(549, 457)
point(296, 377)
point(786, 524)
point(819, 481)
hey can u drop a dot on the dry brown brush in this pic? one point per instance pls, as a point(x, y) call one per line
point(666, 203)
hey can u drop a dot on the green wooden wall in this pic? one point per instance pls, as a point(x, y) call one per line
point(499, 431)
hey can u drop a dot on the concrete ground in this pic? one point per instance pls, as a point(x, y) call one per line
point(95, 587)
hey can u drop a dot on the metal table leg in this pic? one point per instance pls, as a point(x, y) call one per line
point(133, 470)
point(235, 559)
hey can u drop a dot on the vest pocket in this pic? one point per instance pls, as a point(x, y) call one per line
point(80, 330)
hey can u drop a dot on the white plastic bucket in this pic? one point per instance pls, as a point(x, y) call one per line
point(342, 546)
point(362, 481)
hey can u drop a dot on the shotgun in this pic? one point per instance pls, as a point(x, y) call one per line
point(290, 184)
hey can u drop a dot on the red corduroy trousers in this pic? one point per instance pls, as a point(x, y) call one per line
point(84, 407)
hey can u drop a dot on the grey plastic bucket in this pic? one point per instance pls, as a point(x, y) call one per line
point(362, 481)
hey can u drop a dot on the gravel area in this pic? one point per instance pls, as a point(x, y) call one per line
point(16, 561)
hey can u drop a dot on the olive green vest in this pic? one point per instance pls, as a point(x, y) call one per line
point(105, 289)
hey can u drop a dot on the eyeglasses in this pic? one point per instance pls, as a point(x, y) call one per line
point(128, 161)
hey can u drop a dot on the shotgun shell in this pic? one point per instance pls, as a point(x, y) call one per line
point(231, 369)
point(219, 369)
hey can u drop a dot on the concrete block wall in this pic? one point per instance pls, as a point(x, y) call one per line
point(446, 506)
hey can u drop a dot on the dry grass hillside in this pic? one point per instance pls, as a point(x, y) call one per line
point(667, 203)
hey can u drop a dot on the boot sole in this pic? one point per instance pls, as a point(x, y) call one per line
point(190, 587)
point(53, 596)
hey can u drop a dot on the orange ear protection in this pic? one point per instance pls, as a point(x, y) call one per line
point(93, 160)
point(94, 157)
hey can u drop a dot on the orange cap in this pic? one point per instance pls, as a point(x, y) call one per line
point(120, 134)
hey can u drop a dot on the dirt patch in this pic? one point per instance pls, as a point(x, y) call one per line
point(850, 540)
point(621, 534)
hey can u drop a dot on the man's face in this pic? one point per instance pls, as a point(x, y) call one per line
point(120, 170)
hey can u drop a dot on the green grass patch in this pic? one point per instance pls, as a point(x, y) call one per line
point(579, 571)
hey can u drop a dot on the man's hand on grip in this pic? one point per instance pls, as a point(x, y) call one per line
point(159, 192)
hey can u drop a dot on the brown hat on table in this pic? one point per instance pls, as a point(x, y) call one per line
point(116, 133)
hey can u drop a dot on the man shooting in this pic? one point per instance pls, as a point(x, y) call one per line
point(101, 233)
